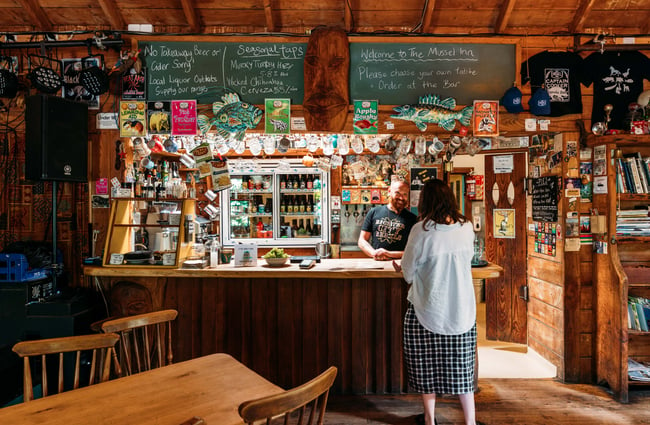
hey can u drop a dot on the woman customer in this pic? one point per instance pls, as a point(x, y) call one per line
point(440, 321)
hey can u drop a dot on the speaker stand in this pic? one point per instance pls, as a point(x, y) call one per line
point(55, 264)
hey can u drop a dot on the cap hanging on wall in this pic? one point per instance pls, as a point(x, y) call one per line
point(540, 102)
point(511, 100)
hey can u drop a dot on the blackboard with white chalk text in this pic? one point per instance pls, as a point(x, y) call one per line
point(202, 70)
point(392, 73)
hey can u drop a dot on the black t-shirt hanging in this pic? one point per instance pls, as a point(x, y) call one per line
point(618, 80)
point(560, 73)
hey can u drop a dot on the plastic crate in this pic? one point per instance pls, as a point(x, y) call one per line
point(14, 268)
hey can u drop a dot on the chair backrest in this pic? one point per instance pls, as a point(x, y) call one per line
point(103, 344)
point(145, 341)
point(304, 403)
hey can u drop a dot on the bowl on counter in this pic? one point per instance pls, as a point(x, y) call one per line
point(276, 262)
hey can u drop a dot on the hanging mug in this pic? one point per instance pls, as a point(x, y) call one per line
point(344, 145)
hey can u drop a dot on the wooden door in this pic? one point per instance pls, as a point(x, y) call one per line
point(505, 303)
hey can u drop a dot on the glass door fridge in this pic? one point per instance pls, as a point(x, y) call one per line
point(276, 203)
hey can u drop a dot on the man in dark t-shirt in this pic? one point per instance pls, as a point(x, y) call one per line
point(386, 228)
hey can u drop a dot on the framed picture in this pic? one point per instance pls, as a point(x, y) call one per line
point(485, 121)
point(504, 223)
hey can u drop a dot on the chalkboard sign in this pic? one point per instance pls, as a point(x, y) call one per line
point(545, 198)
point(393, 73)
point(399, 73)
point(205, 70)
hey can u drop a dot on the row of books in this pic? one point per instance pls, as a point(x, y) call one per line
point(633, 174)
point(634, 222)
point(638, 313)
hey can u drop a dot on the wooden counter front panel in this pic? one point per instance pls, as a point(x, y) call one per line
point(290, 329)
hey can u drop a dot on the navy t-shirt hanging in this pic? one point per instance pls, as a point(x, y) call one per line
point(560, 74)
point(618, 80)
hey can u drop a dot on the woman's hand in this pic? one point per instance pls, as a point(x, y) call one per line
point(396, 266)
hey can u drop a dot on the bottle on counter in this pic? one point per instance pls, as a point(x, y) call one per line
point(212, 249)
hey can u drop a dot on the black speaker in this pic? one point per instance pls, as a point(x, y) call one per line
point(56, 139)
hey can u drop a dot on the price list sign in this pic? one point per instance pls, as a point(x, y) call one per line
point(545, 198)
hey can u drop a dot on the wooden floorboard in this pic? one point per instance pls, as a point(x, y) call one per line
point(500, 402)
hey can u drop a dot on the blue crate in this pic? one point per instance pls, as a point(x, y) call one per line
point(14, 268)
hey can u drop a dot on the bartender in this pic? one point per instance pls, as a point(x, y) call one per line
point(386, 228)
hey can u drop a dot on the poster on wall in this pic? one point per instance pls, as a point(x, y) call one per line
point(159, 117)
point(485, 121)
point(184, 118)
point(418, 177)
point(72, 88)
point(277, 116)
point(504, 223)
point(134, 85)
point(132, 119)
point(366, 113)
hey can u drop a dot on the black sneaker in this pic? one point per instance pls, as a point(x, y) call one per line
point(419, 420)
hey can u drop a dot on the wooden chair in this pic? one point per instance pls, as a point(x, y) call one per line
point(296, 404)
point(104, 343)
point(142, 341)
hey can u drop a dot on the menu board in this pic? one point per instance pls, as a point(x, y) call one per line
point(399, 73)
point(545, 198)
point(392, 73)
point(204, 70)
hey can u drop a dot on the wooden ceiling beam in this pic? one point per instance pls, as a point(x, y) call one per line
point(37, 15)
point(115, 18)
point(268, 14)
point(504, 16)
point(192, 17)
point(428, 17)
point(584, 8)
point(347, 15)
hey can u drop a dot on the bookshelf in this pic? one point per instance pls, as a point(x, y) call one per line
point(624, 270)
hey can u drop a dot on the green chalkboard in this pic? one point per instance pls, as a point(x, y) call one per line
point(399, 73)
point(393, 73)
point(204, 70)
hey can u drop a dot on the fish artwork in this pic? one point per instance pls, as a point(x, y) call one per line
point(232, 117)
point(432, 109)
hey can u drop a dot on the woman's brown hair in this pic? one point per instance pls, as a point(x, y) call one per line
point(438, 204)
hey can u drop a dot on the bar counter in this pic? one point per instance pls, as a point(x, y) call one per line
point(328, 268)
point(285, 323)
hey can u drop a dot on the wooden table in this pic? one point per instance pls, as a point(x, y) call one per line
point(211, 387)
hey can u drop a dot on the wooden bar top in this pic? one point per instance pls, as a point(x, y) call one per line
point(348, 268)
point(210, 387)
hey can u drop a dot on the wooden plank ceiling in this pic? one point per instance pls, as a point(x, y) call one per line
point(448, 17)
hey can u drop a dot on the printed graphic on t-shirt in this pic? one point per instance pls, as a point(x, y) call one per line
point(388, 230)
point(556, 82)
point(618, 81)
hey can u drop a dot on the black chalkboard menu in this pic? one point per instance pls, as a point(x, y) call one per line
point(545, 198)
point(399, 73)
point(204, 70)
point(392, 73)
